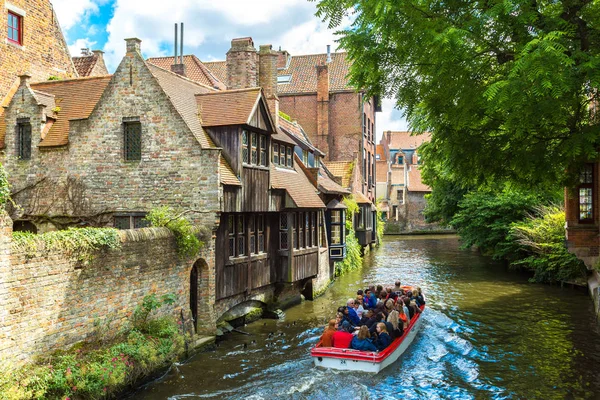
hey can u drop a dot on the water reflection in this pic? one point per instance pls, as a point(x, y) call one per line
point(487, 334)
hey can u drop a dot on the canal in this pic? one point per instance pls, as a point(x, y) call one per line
point(488, 334)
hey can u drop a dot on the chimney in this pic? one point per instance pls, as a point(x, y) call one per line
point(24, 79)
point(267, 79)
point(328, 53)
point(242, 68)
point(178, 66)
point(85, 51)
point(133, 45)
point(100, 64)
point(323, 108)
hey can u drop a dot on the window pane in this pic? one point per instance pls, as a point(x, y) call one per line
point(585, 203)
point(133, 141)
point(24, 141)
point(140, 222)
point(240, 226)
point(230, 225)
point(252, 244)
point(276, 154)
point(254, 152)
point(586, 175)
point(241, 246)
point(122, 222)
point(289, 157)
point(335, 216)
point(261, 243)
point(283, 221)
point(283, 240)
point(231, 247)
point(335, 234)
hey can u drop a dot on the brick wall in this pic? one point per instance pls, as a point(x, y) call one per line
point(90, 177)
point(44, 51)
point(51, 301)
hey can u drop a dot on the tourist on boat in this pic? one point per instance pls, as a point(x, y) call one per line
point(398, 288)
point(343, 336)
point(351, 312)
point(383, 338)
point(396, 326)
point(420, 299)
point(379, 318)
point(378, 290)
point(413, 309)
point(358, 306)
point(362, 341)
point(327, 336)
point(368, 318)
point(405, 308)
point(372, 299)
point(402, 315)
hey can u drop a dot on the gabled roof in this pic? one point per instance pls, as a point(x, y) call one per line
point(341, 169)
point(194, 69)
point(297, 185)
point(295, 131)
point(405, 140)
point(228, 177)
point(361, 198)
point(328, 185)
point(4, 103)
point(228, 107)
point(414, 180)
point(182, 93)
point(85, 64)
point(303, 73)
point(76, 99)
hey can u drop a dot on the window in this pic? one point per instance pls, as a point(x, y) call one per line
point(133, 140)
point(252, 234)
point(245, 154)
point(369, 129)
point(313, 229)
point(364, 125)
point(283, 231)
point(586, 194)
point(299, 242)
point(276, 154)
point(284, 78)
point(305, 157)
point(400, 160)
point(395, 213)
point(254, 158)
point(337, 227)
point(377, 157)
point(131, 221)
point(240, 236)
point(260, 227)
point(263, 150)
point(231, 235)
point(400, 195)
point(289, 157)
point(373, 131)
point(15, 28)
point(322, 229)
point(282, 155)
point(24, 139)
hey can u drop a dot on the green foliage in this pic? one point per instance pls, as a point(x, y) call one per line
point(4, 186)
point(54, 78)
point(80, 243)
point(150, 303)
point(504, 86)
point(485, 218)
point(541, 237)
point(285, 116)
point(380, 226)
point(353, 249)
point(95, 373)
point(185, 234)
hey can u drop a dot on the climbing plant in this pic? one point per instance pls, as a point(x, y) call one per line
point(185, 234)
point(353, 251)
point(4, 186)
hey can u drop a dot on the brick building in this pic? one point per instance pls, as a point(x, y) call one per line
point(404, 193)
point(32, 42)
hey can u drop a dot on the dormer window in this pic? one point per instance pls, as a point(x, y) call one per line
point(254, 148)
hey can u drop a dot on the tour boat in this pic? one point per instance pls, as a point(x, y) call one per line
point(366, 361)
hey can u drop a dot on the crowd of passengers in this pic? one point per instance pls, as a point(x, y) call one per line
point(372, 320)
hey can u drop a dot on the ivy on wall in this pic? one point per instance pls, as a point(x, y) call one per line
point(185, 233)
point(353, 251)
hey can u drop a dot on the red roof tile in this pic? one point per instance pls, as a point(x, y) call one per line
point(76, 99)
point(228, 177)
point(228, 107)
point(341, 169)
point(414, 180)
point(194, 69)
point(405, 140)
point(85, 65)
point(297, 185)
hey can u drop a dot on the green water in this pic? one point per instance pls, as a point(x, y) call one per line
point(487, 334)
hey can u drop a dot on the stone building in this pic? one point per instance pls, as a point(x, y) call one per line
point(90, 63)
point(32, 42)
point(404, 193)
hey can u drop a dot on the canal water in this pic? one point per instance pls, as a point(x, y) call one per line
point(487, 334)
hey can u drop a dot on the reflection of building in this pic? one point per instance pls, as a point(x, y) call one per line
point(402, 193)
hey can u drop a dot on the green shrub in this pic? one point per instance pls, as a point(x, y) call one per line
point(149, 303)
point(187, 240)
point(4, 186)
point(541, 237)
point(80, 243)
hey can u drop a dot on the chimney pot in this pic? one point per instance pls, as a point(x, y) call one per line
point(133, 45)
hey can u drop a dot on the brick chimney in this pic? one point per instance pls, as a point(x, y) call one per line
point(323, 108)
point(133, 45)
point(100, 64)
point(242, 64)
point(267, 78)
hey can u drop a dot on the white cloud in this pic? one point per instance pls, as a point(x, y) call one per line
point(71, 12)
point(244, 12)
point(309, 38)
point(390, 119)
point(85, 43)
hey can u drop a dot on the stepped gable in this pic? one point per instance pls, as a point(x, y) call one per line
point(228, 107)
point(73, 99)
point(297, 185)
point(182, 93)
point(195, 70)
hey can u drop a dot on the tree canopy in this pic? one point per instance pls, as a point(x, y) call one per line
point(505, 86)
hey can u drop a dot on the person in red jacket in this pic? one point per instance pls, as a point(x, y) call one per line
point(342, 337)
point(327, 336)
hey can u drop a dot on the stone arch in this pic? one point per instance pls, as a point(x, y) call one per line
point(200, 305)
point(243, 312)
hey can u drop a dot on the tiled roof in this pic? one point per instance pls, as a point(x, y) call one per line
point(283, 136)
point(381, 170)
point(194, 69)
point(295, 131)
point(414, 181)
point(404, 140)
point(303, 73)
point(341, 169)
point(227, 175)
point(297, 185)
point(327, 185)
point(218, 69)
point(85, 65)
point(5, 102)
point(182, 93)
point(361, 198)
point(228, 107)
point(76, 99)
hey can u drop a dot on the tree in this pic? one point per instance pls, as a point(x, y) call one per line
point(505, 86)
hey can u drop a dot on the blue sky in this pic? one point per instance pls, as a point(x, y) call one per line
point(209, 27)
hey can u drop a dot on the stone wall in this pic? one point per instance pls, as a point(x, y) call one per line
point(44, 52)
point(50, 301)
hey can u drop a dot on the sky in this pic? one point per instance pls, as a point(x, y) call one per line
point(209, 27)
